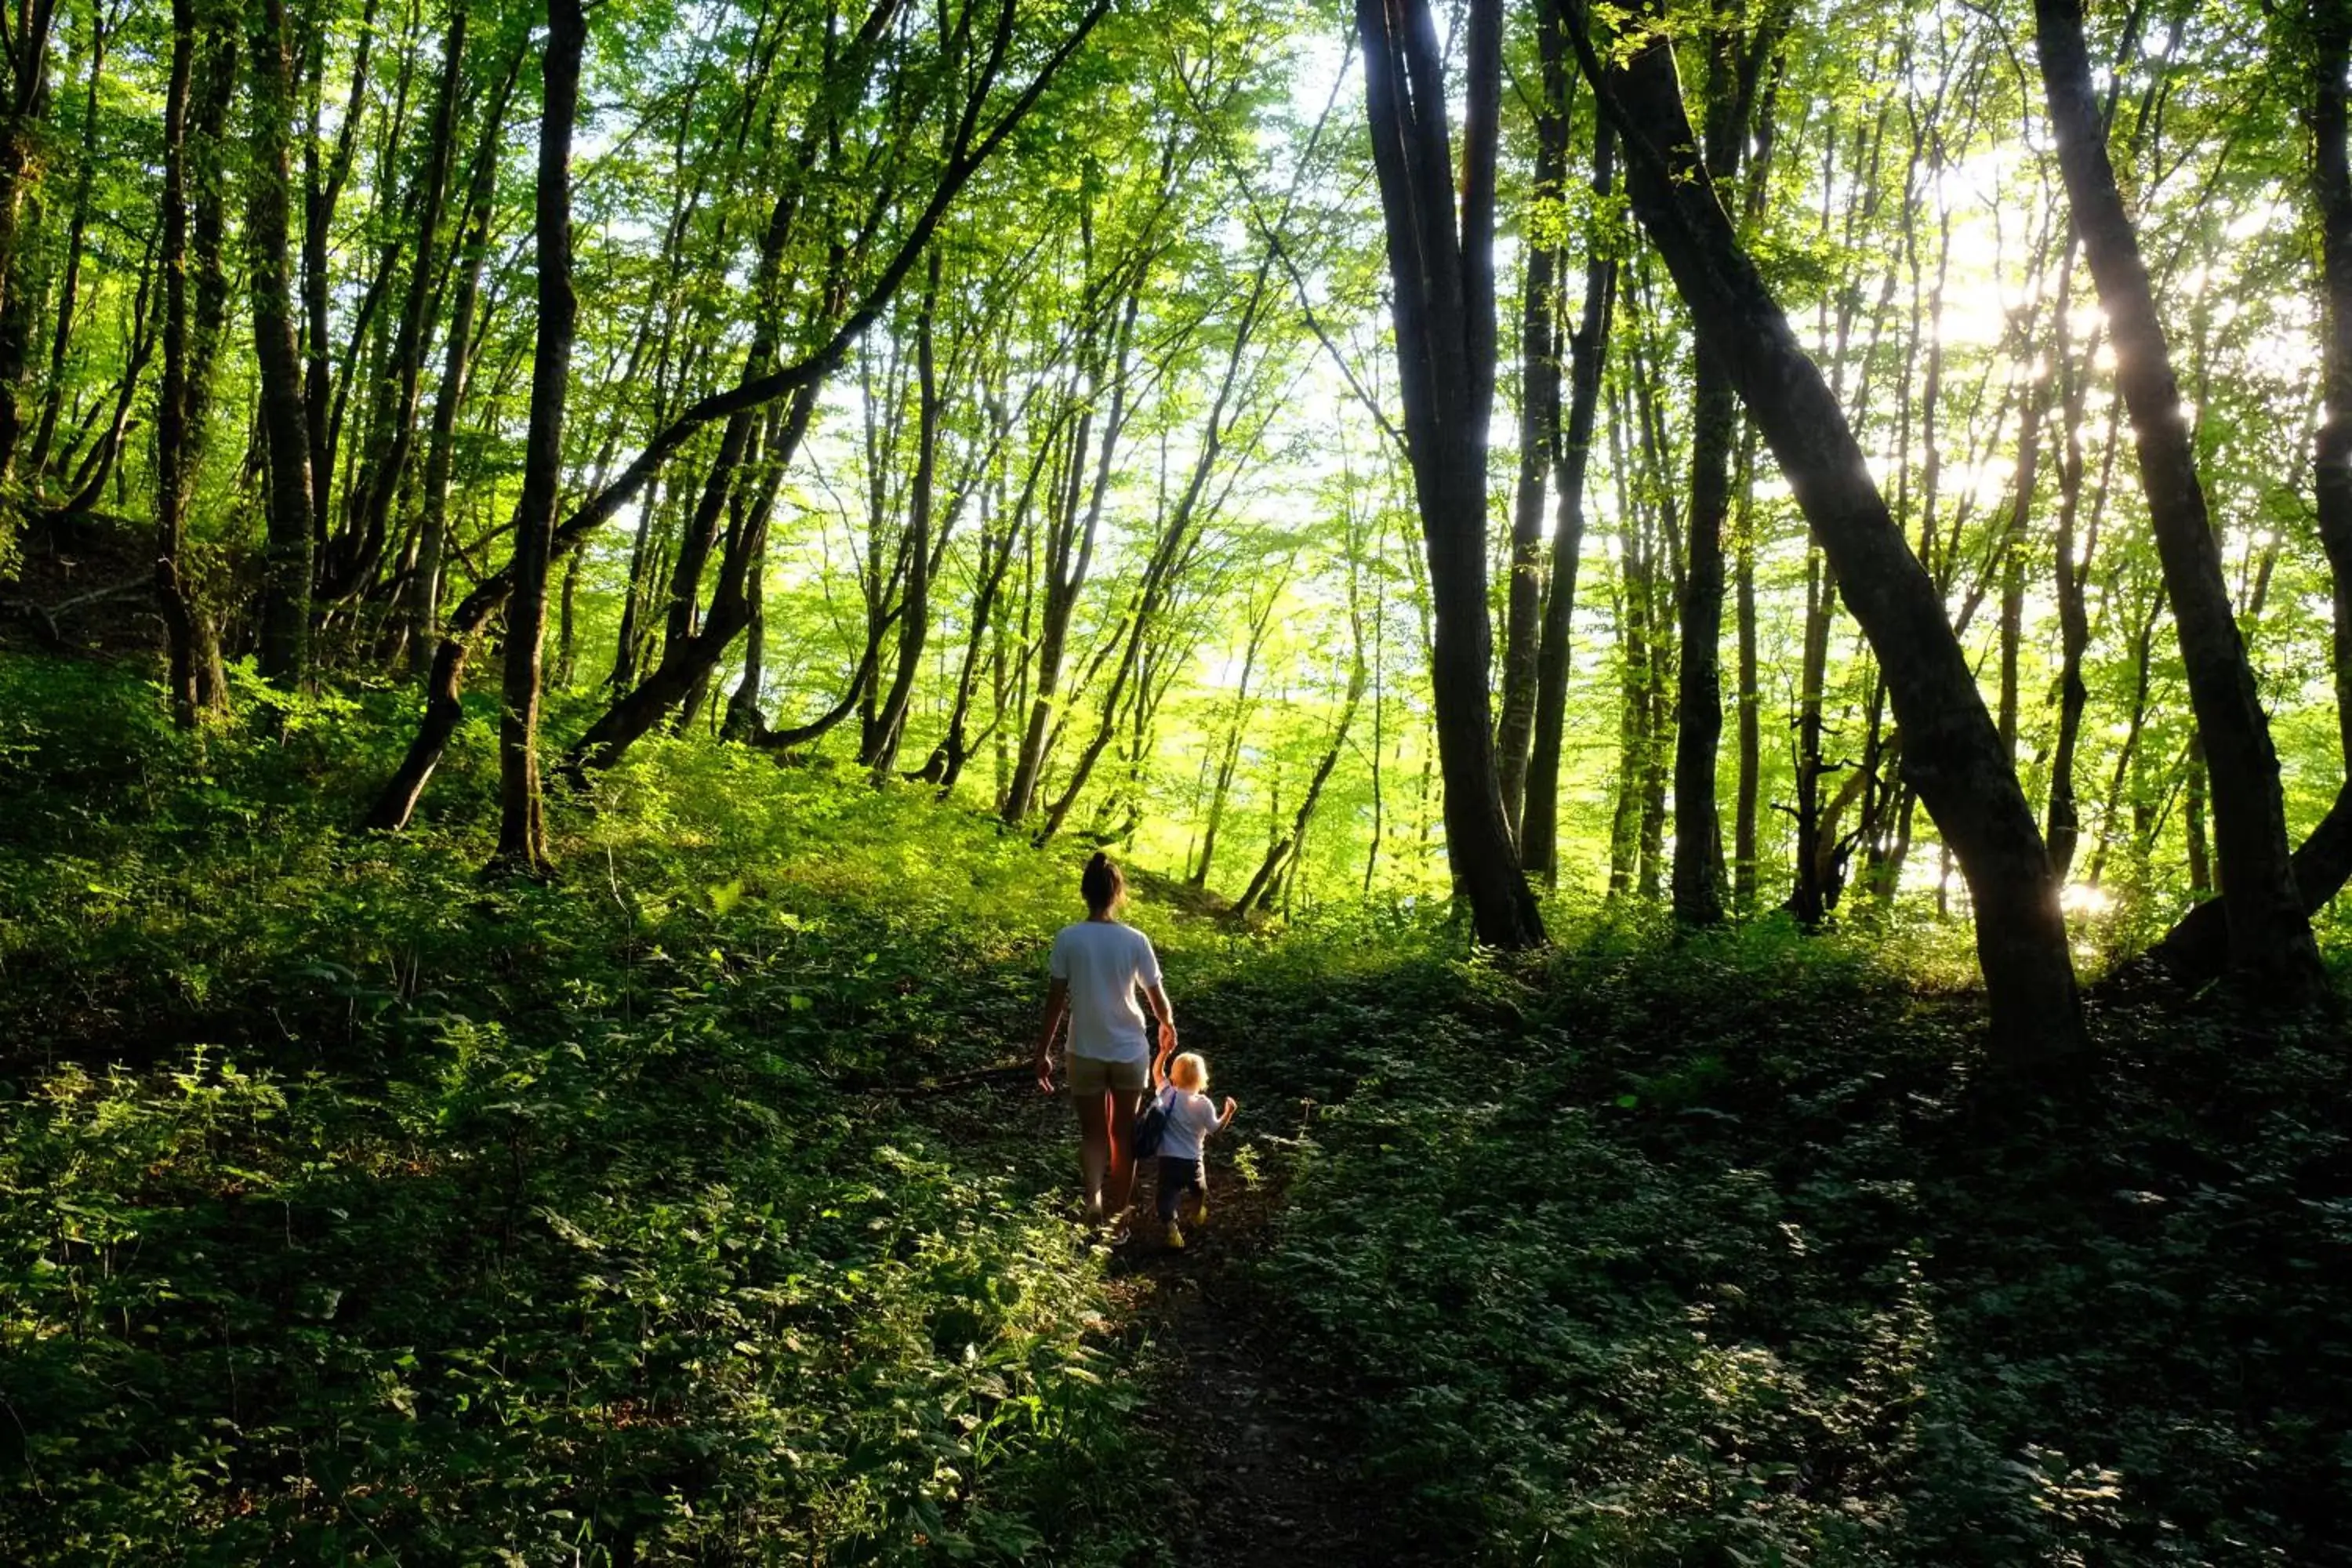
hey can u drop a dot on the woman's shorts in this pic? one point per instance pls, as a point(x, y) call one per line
point(1092, 1075)
point(1178, 1177)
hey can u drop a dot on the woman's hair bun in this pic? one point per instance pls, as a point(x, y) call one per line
point(1102, 885)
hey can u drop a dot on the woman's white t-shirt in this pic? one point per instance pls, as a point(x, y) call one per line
point(1104, 961)
point(1191, 1118)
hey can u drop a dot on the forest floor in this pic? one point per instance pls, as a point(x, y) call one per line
point(353, 1207)
point(1262, 1452)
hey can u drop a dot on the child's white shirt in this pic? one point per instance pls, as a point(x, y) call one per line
point(1191, 1118)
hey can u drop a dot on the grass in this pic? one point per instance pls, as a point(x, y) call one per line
point(1717, 1253)
point(357, 1208)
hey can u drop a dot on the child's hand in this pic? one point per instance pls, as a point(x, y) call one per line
point(1232, 1105)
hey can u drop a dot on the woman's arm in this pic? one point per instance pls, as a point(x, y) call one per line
point(1057, 1003)
point(1155, 996)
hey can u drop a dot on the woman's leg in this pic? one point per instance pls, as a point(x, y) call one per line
point(1120, 1187)
point(1095, 1149)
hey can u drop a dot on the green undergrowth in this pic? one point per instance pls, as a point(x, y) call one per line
point(1718, 1253)
point(353, 1207)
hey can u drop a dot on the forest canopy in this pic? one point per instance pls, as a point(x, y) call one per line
point(1008, 400)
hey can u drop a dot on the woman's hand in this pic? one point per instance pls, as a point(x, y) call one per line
point(1044, 1072)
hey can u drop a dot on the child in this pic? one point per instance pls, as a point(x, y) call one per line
point(1183, 1173)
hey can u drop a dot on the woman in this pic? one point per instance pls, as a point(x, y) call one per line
point(1098, 968)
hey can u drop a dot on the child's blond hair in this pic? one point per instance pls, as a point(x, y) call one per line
point(1190, 1071)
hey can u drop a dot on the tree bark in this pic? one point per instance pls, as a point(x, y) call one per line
point(2331, 187)
point(1751, 740)
point(1734, 63)
point(1538, 437)
point(915, 622)
point(2270, 944)
point(1070, 545)
point(2072, 560)
point(1539, 819)
point(23, 108)
point(1952, 754)
point(286, 571)
point(322, 193)
point(522, 831)
point(392, 432)
point(424, 603)
point(172, 446)
point(53, 392)
point(1442, 266)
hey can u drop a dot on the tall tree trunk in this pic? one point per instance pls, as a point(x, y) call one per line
point(915, 621)
point(745, 716)
point(2017, 536)
point(1538, 437)
point(1442, 266)
point(24, 105)
point(1734, 63)
point(2331, 464)
point(423, 605)
point(1069, 549)
point(53, 392)
point(1222, 790)
point(286, 564)
point(1752, 739)
point(523, 832)
point(173, 446)
point(322, 193)
point(2270, 944)
point(1539, 821)
point(1951, 751)
point(1272, 871)
point(946, 763)
point(1173, 548)
point(2073, 558)
point(392, 433)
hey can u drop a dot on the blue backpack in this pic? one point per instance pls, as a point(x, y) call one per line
point(1150, 1130)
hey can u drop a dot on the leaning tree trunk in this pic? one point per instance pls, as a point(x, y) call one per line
point(2270, 944)
point(522, 833)
point(1952, 754)
point(286, 570)
point(1442, 265)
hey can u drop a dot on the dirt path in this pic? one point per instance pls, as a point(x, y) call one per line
point(1265, 1457)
